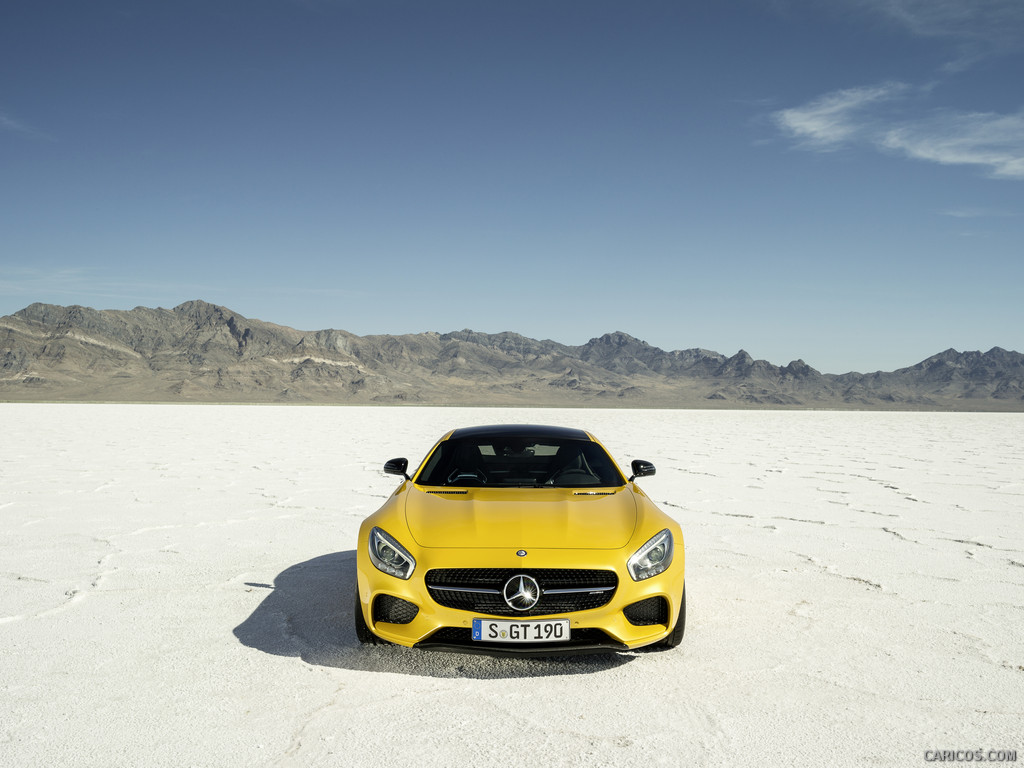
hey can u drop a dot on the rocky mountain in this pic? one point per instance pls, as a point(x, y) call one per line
point(200, 352)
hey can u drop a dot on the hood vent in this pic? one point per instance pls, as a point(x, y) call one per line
point(594, 493)
point(448, 493)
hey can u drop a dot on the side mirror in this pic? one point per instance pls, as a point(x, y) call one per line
point(397, 467)
point(641, 468)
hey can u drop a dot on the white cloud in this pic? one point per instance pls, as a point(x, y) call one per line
point(836, 118)
point(877, 116)
point(10, 124)
point(992, 24)
point(972, 30)
point(977, 213)
point(992, 141)
point(85, 285)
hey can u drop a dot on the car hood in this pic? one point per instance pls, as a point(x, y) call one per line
point(538, 518)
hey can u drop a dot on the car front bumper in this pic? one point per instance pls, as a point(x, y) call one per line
point(598, 630)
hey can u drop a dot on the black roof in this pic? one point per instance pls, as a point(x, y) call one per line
point(520, 430)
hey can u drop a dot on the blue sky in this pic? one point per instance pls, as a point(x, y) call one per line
point(840, 181)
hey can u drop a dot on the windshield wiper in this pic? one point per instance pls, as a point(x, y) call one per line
point(520, 485)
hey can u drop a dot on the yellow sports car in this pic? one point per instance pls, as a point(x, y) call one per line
point(520, 540)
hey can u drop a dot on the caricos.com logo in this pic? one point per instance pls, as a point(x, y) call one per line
point(970, 755)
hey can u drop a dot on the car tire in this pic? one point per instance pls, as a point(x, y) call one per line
point(363, 633)
point(675, 637)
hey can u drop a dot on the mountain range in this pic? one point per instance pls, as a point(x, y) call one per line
point(201, 352)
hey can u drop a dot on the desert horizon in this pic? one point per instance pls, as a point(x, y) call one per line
point(201, 352)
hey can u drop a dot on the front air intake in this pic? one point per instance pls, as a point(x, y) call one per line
point(393, 610)
point(653, 610)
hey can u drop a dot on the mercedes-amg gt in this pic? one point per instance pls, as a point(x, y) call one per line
point(520, 539)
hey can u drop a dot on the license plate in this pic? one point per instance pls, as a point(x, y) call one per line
point(552, 631)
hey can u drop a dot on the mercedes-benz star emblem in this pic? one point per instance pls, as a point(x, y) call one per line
point(521, 592)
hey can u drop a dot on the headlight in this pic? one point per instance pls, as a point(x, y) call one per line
point(390, 556)
point(652, 558)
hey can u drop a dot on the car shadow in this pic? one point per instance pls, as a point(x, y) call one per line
point(308, 614)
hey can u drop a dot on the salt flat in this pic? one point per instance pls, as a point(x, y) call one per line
point(176, 582)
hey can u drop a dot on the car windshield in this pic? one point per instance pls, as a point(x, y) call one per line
point(516, 462)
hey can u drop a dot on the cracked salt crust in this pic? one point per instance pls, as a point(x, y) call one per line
point(175, 589)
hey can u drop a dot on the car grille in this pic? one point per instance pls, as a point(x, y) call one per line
point(563, 590)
